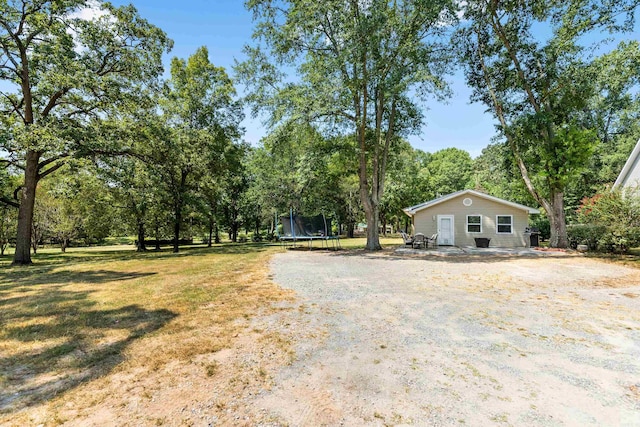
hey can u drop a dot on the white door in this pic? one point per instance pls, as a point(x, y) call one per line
point(445, 230)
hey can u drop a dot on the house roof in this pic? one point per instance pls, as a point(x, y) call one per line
point(413, 209)
point(628, 167)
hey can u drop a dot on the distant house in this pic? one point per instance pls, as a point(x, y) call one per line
point(629, 177)
point(460, 217)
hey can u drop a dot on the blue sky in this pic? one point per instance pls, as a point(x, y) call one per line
point(225, 26)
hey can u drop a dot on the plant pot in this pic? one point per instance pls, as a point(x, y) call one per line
point(482, 242)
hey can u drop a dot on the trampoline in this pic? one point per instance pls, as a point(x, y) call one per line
point(297, 228)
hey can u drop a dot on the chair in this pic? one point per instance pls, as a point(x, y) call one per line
point(419, 240)
point(433, 241)
point(408, 240)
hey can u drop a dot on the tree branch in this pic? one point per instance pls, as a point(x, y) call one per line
point(9, 202)
point(51, 170)
point(53, 101)
point(12, 163)
point(51, 160)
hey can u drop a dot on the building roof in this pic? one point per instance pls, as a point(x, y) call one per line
point(628, 168)
point(413, 209)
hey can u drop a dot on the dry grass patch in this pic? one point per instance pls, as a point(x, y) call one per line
point(81, 327)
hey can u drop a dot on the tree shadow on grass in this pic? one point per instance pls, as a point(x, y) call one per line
point(127, 254)
point(55, 340)
point(23, 279)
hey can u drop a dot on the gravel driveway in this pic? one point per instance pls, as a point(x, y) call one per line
point(383, 340)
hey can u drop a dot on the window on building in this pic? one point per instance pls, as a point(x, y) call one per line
point(474, 224)
point(504, 224)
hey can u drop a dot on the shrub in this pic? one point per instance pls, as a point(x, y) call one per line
point(585, 234)
point(543, 226)
point(619, 240)
point(611, 223)
point(242, 238)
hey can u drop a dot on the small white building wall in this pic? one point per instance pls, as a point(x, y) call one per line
point(426, 221)
point(631, 182)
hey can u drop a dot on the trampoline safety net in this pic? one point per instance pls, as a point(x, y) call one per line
point(301, 226)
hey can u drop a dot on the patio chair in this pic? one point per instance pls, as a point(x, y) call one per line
point(433, 241)
point(408, 240)
point(419, 240)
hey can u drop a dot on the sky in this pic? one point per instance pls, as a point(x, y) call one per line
point(225, 27)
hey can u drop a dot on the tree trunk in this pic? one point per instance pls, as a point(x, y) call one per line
point(176, 227)
point(373, 234)
point(141, 236)
point(22, 255)
point(64, 244)
point(210, 232)
point(217, 233)
point(157, 235)
point(351, 228)
point(558, 221)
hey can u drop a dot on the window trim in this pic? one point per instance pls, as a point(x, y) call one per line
point(467, 224)
point(498, 224)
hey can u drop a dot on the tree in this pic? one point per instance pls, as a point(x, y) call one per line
point(201, 119)
point(234, 187)
point(63, 75)
point(8, 221)
point(539, 87)
point(132, 189)
point(450, 170)
point(360, 65)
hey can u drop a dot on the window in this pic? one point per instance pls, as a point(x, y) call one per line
point(504, 224)
point(474, 224)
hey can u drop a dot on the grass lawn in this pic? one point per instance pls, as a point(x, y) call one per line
point(74, 318)
point(74, 326)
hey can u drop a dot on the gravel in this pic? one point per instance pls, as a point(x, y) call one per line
point(386, 340)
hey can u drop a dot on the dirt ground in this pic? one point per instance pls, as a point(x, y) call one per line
point(381, 340)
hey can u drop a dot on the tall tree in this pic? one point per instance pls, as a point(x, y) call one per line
point(360, 65)
point(59, 73)
point(201, 119)
point(538, 85)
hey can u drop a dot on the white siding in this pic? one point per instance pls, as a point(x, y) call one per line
point(425, 221)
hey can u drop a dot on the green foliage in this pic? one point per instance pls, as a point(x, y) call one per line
point(541, 223)
point(615, 213)
point(541, 88)
point(619, 240)
point(586, 234)
point(450, 170)
point(193, 139)
point(360, 66)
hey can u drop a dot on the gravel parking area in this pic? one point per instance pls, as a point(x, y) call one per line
point(385, 340)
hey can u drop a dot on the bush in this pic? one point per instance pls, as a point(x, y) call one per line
point(619, 240)
point(611, 223)
point(242, 238)
point(543, 226)
point(585, 234)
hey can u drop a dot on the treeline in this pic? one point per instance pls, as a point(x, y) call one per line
point(94, 141)
point(294, 168)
